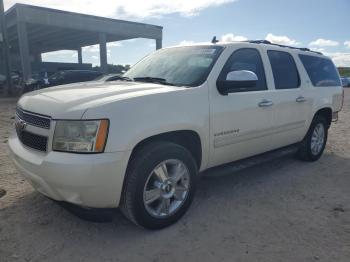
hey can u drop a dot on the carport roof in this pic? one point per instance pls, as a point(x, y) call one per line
point(51, 30)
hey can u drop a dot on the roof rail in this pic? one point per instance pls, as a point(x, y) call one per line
point(266, 42)
point(259, 42)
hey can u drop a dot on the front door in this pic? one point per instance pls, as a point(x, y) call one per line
point(241, 122)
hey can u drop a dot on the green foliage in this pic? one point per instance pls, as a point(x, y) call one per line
point(344, 71)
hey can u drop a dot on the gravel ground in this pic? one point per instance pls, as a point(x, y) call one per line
point(278, 210)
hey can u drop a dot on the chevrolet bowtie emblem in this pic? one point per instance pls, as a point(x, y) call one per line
point(21, 125)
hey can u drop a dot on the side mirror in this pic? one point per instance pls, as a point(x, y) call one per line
point(237, 81)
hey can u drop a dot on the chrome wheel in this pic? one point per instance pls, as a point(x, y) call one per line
point(166, 188)
point(317, 139)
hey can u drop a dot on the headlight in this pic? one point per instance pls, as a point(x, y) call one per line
point(88, 136)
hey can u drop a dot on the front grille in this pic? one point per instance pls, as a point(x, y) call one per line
point(34, 119)
point(31, 140)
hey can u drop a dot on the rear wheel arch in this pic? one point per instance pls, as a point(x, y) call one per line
point(314, 139)
point(326, 113)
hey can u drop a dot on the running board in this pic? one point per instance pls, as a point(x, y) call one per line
point(250, 162)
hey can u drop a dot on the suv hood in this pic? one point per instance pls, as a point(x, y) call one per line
point(71, 101)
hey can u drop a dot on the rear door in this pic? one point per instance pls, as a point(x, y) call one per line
point(291, 103)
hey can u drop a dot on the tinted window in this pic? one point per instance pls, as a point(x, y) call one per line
point(321, 71)
point(80, 76)
point(88, 76)
point(67, 77)
point(246, 59)
point(285, 72)
point(74, 77)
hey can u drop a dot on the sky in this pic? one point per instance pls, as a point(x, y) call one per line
point(321, 25)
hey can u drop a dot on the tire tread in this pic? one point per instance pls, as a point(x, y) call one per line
point(131, 177)
point(304, 153)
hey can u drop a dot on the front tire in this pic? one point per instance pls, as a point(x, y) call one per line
point(160, 185)
point(314, 143)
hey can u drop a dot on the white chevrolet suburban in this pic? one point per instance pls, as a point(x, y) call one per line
point(138, 143)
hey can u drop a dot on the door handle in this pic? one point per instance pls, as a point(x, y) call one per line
point(265, 103)
point(300, 99)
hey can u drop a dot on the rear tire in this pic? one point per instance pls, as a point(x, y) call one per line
point(155, 199)
point(314, 143)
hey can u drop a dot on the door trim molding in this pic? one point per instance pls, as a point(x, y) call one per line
point(229, 138)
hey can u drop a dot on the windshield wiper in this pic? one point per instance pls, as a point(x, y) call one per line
point(124, 78)
point(150, 79)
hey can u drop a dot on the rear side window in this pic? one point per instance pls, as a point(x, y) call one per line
point(321, 71)
point(285, 72)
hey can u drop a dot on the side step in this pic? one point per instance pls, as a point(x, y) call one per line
point(250, 162)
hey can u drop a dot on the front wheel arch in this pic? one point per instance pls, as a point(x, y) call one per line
point(189, 139)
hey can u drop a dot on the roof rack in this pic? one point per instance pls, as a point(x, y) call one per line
point(266, 42)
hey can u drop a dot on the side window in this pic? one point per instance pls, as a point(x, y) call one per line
point(284, 69)
point(321, 71)
point(67, 77)
point(87, 76)
point(246, 59)
point(74, 77)
point(91, 76)
point(83, 76)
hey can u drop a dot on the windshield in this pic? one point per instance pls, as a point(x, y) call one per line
point(182, 66)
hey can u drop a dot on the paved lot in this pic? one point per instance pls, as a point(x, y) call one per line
point(280, 210)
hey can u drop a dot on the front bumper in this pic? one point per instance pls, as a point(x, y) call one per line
point(90, 180)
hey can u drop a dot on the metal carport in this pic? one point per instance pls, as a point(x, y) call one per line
point(33, 30)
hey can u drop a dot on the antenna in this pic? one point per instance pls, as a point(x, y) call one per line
point(214, 40)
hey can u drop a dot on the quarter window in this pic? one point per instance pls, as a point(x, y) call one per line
point(246, 59)
point(321, 71)
point(285, 72)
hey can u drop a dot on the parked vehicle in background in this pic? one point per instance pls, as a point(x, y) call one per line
point(345, 81)
point(139, 143)
point(37, 81)
point(72, 76)
point(109, 78)
point(17, 83)
point(2, 79)
point(2, 82)
point(44, 79)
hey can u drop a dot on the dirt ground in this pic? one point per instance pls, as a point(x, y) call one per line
point(279, 210)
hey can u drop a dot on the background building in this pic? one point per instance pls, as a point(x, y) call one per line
point(33, 30)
